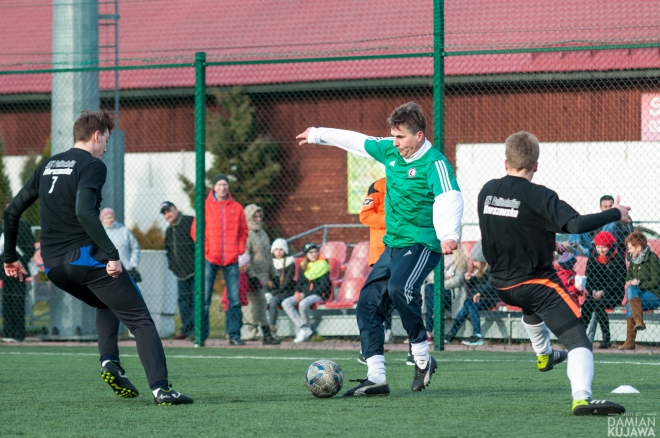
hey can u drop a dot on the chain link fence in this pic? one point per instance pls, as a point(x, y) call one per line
point(585, 81)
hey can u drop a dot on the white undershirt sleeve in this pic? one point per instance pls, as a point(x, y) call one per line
point(348, 140)
point(447, 215)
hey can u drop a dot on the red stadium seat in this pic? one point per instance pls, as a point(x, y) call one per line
point(334, 250)
point(654, 244)
point(297, 261)
point(357, 271)
point(348, 294)
point(467, 247)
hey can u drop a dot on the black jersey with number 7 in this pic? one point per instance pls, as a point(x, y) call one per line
point(56, 182)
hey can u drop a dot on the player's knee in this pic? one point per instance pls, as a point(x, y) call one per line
point(532, 319)
point(575, 337)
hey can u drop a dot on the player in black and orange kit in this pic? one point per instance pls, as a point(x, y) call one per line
point(518, 221)
point(80, 259)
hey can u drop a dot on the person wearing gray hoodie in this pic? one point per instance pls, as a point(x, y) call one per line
point(260, 271)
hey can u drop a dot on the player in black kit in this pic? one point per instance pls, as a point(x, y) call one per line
point(518, 221)
point(80, 259)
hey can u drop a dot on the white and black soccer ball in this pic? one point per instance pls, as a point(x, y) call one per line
point(324, 378)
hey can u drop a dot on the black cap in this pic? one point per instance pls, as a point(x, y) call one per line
point(166, 206)
point(220, 176)
point(309, 246)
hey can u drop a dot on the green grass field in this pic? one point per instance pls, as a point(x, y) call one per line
point(57, 391)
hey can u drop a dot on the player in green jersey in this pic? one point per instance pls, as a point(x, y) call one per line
point(423, 207)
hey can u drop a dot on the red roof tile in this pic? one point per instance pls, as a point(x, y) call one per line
point(160, 31)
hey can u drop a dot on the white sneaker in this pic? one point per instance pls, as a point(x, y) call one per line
point(300, 336)
point(303, 334)
point(388, 336)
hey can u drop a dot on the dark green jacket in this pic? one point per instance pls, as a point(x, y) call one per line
point(647, 272)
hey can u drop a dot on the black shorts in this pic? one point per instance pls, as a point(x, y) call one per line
point(548, 299)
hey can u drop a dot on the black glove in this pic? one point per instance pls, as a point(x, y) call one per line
point(135, 275)
point(255, 283)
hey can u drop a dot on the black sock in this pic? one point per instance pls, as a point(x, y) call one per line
point(111, 357)
point(161, 384)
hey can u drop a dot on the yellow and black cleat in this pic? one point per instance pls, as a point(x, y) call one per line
point(547, 362)
point(596, 407)
point(169, 396)
point(113, 374)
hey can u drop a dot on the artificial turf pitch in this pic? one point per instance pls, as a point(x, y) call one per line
point(58, 391)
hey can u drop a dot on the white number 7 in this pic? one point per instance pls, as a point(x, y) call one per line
point(53, 186)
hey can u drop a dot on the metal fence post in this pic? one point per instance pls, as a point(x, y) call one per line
point(439, 143)
point(200, 189)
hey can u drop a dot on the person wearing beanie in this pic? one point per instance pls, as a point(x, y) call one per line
point(313, 286)
point(225, 237)
point(124, 241)
point(642, 285)
point(606, 277)
point(260, 271)
point(481, 295)
point(282, 282)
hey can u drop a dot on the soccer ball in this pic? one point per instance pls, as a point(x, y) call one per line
point(324, 378)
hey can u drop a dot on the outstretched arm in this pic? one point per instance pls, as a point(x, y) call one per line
point(589, 222)
point(12, 217)
point(348, 140)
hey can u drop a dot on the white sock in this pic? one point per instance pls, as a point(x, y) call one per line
point(580, 371)
point(376, 369)
point(420, 352)
point(540, 336)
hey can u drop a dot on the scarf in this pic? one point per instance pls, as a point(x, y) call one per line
point(640, 258)
point(603, 259)
point(316, 269)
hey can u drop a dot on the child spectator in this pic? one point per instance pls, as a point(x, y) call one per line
point(244, 283)
point(566, 273)
point(282, 284)
point(481, 294)
point(313, 286)
point(606, 277)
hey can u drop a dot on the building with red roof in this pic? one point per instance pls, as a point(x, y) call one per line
point(569, 95)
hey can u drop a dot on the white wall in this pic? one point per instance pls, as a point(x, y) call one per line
point(150, 179)
point(579, 172)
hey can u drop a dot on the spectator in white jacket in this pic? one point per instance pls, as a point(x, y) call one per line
point(124, 241)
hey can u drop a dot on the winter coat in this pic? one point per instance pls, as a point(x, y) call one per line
point(567, 277)
point(180, 247)
point(310, 283)
point(609, 277)
point(283, 280)
point(647, 272)
point(126, 244)
point(225, 233)
point(483, 286)
point(258, 246)
point(373, 216)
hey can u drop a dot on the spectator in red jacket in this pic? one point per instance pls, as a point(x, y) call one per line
point(225, 235)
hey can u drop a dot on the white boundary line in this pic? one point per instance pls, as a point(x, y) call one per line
point(179, 356)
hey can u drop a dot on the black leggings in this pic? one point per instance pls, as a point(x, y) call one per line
point(115, 299)
point(597, 308)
